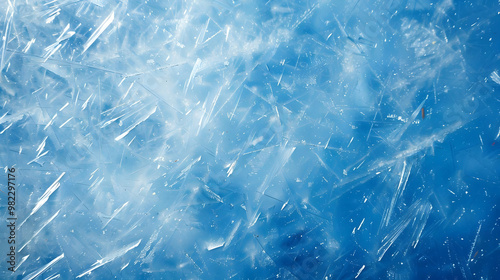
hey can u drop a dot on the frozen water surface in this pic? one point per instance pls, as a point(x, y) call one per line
point(251, 139)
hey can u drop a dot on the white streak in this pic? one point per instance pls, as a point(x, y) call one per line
point(50, 122)
point(109, 258)
point(6, 128)
point(54, 277)
point(44, 268)
point(359, 227)
point(65, 122)
point(50, 50)
point(399, 192)
point(284, 205)
point(396, 135)
point(306, 15)
point(22, 261)
point(231, 168)
point(196, 68)
point(45, 196)
point(135, 124)
point(39, 150)
point(212, 194)
point(8, 20)
point(99, 31)
point(28, 45)
point(115, 213)
point(211, 245)
point(65, 105)
point(232, 234)
point(147, 247)
point(360, 270)
point(41, 228)
point(495, 77)
point(86, 102)
point(475, 240)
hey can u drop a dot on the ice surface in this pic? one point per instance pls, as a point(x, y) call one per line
point(251, 139)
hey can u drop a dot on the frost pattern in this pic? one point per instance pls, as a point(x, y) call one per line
point(252, 139)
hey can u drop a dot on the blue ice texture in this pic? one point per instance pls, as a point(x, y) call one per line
point(248, 139)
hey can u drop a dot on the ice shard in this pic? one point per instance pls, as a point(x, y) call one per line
point(231, 139)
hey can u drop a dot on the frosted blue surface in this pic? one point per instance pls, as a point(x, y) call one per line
point(251, 139)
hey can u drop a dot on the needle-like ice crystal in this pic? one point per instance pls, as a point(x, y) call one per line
point(247, 139)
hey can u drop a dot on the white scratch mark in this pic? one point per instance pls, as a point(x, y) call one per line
point(86, 102)
point(6, 128)
point(22, 261)
point(109, 258)
point(228, 28)
point(195, 70)
point(116, 212)
point(359, 227)
point(65, 122)
point(212, 245)
point(41, 228)
point(44, 268)
point(475, 240)
point(136, 124)
point(45, 196)
point(28, 45)
point(5, 37)
point(65, 105)
point(359, 271)
point(306, 15)
point(52, 15)
point(50, 50)
point(99, 31)
point(396, 135)
point(254, 220)
point(352, 138)
point(284, 205)
point(54, 277)
point(231, 168)
point(232, 234)
point(50, 122)
point(495, 77)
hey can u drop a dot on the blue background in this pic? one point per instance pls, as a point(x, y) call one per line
point(252, 139)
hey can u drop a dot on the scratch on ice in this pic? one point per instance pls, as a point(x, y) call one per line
point(45, 196)
point(109, 19)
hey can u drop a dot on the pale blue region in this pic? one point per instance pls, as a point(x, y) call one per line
point(252, 139)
